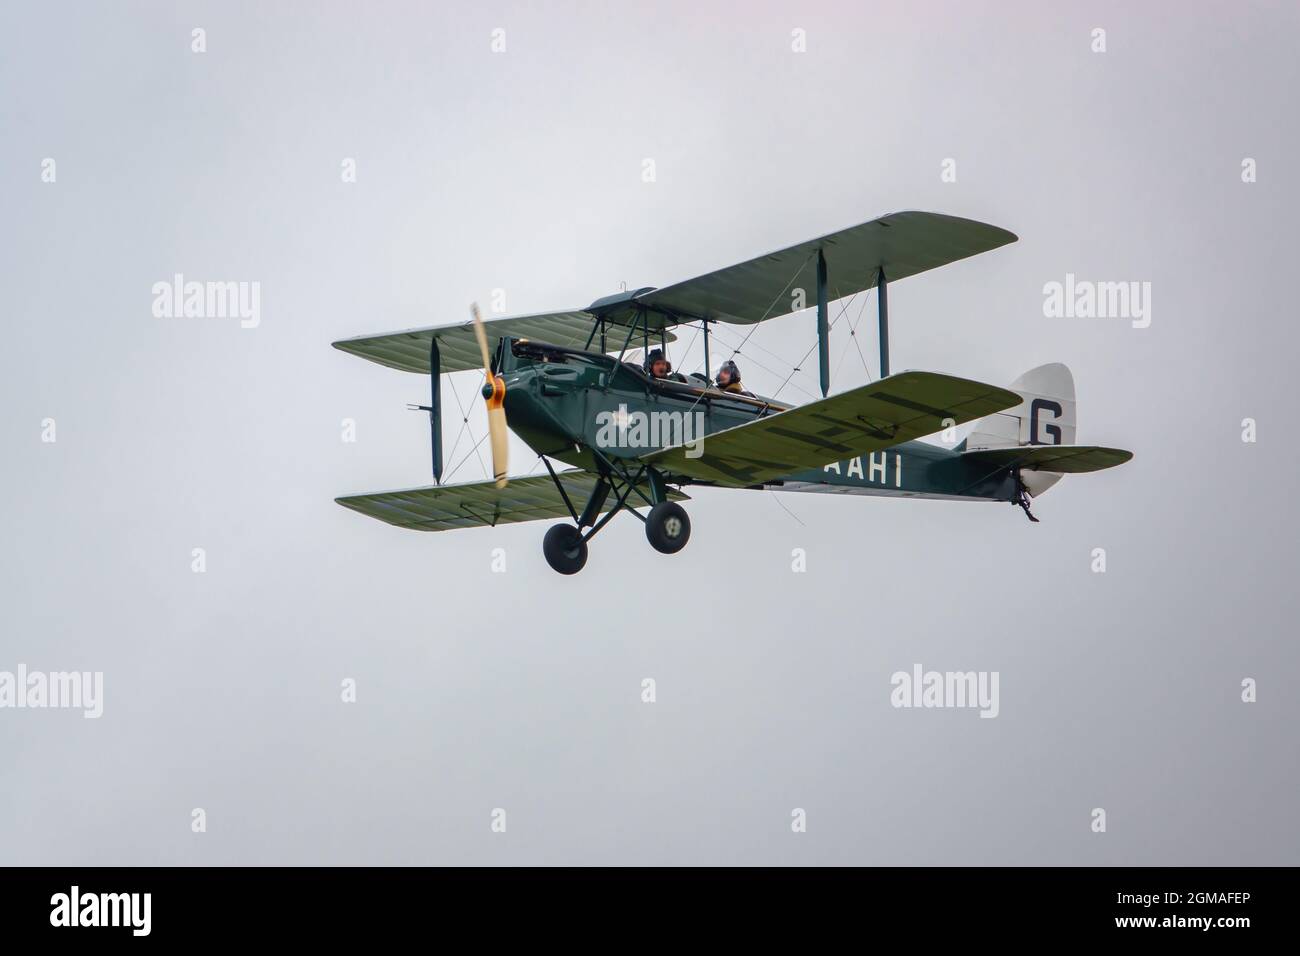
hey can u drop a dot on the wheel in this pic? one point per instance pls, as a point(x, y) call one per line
point(667, 527)
point(564, 548)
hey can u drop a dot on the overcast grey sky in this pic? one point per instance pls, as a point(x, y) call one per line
point(522, 170)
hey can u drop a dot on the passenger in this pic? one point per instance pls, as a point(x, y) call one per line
point(658, 366)
point(729, 379)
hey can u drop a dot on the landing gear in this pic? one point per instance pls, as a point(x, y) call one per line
point(667, 527)
point(565, 549)
point(1022, 498)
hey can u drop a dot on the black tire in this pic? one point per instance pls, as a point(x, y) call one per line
point(564, 548)
point(667, 527)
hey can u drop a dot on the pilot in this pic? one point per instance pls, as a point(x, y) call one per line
point(658, 366)
point(729, 379)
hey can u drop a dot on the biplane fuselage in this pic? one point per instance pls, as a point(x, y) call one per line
point(560, 401)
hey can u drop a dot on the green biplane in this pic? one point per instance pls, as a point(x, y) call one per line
point(561, 382)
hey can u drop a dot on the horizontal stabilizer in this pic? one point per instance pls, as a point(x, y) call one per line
point(871, 418)
point(1059, 459)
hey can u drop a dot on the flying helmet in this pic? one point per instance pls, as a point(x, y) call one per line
point(730, 367)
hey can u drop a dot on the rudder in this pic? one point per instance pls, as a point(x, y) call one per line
point(1046, 416)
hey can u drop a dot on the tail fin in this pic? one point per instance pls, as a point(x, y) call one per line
point(1045, 417)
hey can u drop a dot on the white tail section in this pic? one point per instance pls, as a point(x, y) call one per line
point(1045, 417)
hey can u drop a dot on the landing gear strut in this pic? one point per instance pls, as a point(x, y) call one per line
point(1022, 498)
point(667, 527)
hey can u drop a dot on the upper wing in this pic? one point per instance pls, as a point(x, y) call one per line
point(870, 418)
point(458, 347)
point(1061, 459)
point(409, 350)
point(902, 243)
point(480, 503)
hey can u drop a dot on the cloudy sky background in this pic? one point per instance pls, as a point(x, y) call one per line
point(522, 171)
